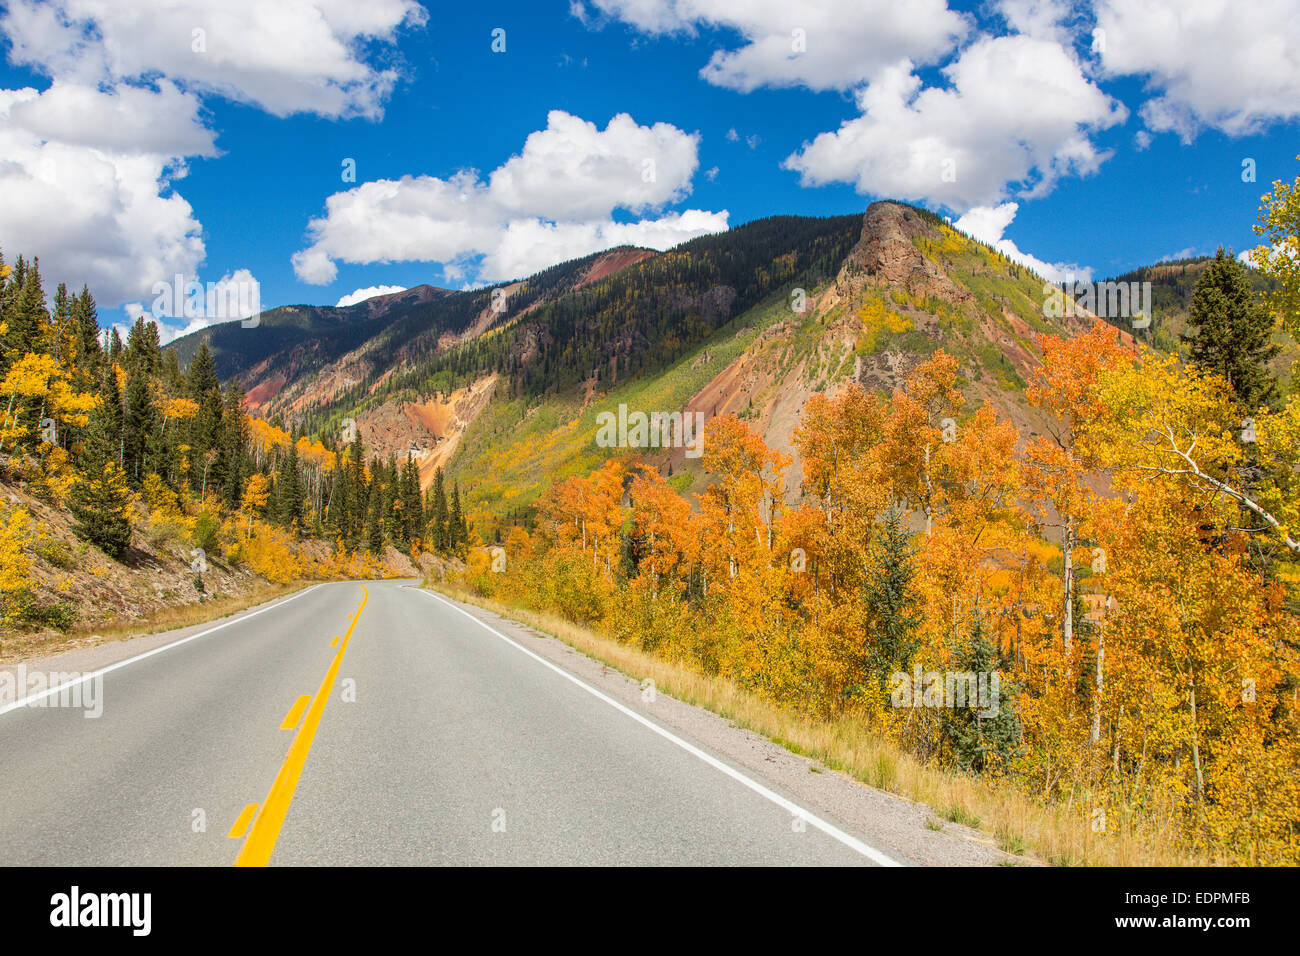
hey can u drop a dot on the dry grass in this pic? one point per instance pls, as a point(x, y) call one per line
point(1058, 834)
point(21, 646)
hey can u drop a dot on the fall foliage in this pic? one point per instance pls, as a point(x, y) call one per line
point(1147, 664)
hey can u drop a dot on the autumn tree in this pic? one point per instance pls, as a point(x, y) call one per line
point(1059, 461)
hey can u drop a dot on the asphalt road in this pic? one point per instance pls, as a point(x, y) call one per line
point(377, 723)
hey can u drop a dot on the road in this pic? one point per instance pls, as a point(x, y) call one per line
point(377, 723)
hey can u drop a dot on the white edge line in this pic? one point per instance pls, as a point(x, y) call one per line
point(31, 698)
point(829, 829)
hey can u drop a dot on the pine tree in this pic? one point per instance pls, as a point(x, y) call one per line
point(890, 604)
point(375, 525)
point(102, 440)
point(25, 317)
point(412, 505)
point(233, 444)
point(438, 514)
point(100, 503)
point(392, 508)
point(983, 735)
point(290, 490)
point(139, 427)
point(85, 320)
point(143, 350)
point(458, 534)
point(1230, 332)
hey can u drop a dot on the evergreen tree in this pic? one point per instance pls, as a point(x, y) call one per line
point(1230, 332)
point(100, 502)
point(983, 735)
point(439, 514)
point(412, 505)
point(890, 604)
point(290, 490)
point(101, 441)
point(25, 316)
point(143, 350)
point(233, 444)
point(392, 509)
point(375, 524)
point(458, 534)
point(138, 427)
point(85, 321)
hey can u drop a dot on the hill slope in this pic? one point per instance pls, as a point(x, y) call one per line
point(502, 386)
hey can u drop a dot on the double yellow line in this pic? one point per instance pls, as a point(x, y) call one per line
point(260, 842)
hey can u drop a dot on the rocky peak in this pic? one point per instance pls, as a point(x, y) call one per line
point(887, 255)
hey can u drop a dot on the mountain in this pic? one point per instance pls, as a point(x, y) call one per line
point(502, 386)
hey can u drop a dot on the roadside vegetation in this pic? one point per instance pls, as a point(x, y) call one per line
point(1129, 573)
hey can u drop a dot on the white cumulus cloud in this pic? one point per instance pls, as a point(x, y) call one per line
point(89, 167)
point(360, 295)
point(988, 223)
point(552, 201)
point(1017, 113)
point(235, 296)
point(99, 209)
point(1219, 63)
point(820, 44)
point(282, 57)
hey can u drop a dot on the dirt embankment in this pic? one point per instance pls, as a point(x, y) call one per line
point(429, 431)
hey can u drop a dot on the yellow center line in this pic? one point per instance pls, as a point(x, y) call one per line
point(257, 849)
point(295, 713)
point(335, 642)
point(241, 825)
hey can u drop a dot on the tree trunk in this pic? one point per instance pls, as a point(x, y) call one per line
point(1067, 549)
point(1096, 700)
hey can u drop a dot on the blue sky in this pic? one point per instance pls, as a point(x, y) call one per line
point(135, 150)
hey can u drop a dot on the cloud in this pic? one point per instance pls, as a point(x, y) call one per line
point(360, 295)
point(100, 209)
point(820, 44)
point(988, 223)
point(89, 167)
point(281, 57)
point(551, 202)
point(1045, 19)
point(1261, 256)
point(235, 296)
point(1218, 63)
point(1017, 113)
point(586, 172)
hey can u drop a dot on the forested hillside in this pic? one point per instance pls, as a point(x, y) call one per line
point(146, 458)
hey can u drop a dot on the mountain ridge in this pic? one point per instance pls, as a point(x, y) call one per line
point(490, 383)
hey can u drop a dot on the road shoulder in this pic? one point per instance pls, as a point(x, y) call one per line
point(896, 826)
point(85, 658)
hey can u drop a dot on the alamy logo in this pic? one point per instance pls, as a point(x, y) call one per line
point(1107, 300)
point(75, 908)
point(653, 430)
point(979, 691)
point(66, 689)
point(228, 299)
